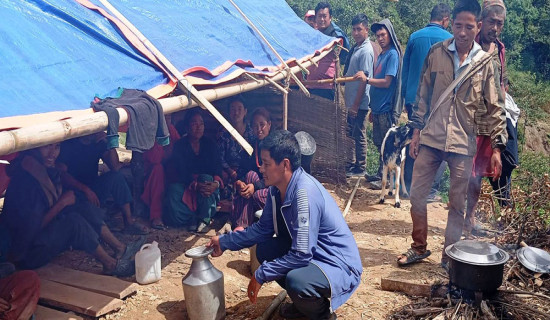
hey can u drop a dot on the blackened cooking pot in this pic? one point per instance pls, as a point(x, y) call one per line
point(476, 266)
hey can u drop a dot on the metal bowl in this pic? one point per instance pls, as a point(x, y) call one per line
point(199, 252)
point(477, 253)
point(534, 259)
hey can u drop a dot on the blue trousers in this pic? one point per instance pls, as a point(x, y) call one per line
point(308, 287)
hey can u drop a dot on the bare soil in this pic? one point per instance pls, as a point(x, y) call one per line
point(382, 232)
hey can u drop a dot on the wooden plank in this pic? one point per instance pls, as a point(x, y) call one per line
point(107, 285)
point(44, 313)
point(412, 289)
point(81, 301)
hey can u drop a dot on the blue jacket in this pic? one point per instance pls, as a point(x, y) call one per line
point(320, 235)
point(418, 46)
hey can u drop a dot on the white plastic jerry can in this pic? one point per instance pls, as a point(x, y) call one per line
point(148, 263)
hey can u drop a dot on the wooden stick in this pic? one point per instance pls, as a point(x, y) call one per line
point(204, 103)
point(411, 289)
point(337, 80)
point(276, 85)
point(540, 295)
point(302, 87)
point(273, 305)
point(426, 311)
point(348, 205)
point(304, 69)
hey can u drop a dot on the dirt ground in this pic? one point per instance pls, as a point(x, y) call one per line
point(381, 231)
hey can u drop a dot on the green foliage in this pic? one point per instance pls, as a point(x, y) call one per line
point(531, 94)
point(526, 30)
point(406, 16)
point(527, 35)
point(537, 164)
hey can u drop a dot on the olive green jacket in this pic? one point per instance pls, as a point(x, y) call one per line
point(453, 126)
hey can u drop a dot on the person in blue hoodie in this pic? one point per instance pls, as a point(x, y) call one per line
point(313, 255)
point(418, 46)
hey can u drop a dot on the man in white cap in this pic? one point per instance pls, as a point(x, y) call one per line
point(309, 18)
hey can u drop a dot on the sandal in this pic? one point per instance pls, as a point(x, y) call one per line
point(412, 257)
point(124, 268)
point(159, 226)
point(132, 248)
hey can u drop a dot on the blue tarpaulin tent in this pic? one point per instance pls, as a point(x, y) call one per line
point(58, 54)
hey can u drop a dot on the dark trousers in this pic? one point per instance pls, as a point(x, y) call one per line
point(358, 126)
point(308, 287)
point(69, 229)
point(112, 185)
point(425, 168)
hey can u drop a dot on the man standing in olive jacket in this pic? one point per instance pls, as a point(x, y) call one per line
point(445, 124)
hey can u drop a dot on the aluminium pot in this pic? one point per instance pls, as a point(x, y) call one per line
point(308, 146)
point(476, 266)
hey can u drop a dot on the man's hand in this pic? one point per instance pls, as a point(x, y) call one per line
point(67, 198)
point(361, 76)
point(215, 243)
point(92, 197)
point(253, 289)
point(248, 191)
point(415, 144)
point(496, 164)
point(4, 306)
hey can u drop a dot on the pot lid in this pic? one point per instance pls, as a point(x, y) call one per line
point(306, 142)
point(199, 252)
point(534, 259)
point(477, 253)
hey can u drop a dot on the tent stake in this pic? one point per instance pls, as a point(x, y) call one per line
point(204, 103)
point(302, 87)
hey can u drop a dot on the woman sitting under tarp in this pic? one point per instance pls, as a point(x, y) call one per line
point(156, 162)
point(232, 154)
point(44, 219)
point(251, 192)
point(192, 201)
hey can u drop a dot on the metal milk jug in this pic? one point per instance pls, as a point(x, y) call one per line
point(203, 287)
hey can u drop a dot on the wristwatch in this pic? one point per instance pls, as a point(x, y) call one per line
point(368, 80)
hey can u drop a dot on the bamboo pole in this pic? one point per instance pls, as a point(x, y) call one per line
point(302, 87)
point(273, 305)
point(348, 205)
point(55, 131)
point(337, 80)
point(304, 69)
point(204, 103)
point(276, 85)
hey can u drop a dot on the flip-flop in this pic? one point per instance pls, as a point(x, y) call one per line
point(158, 226)
point(132, 248)
point(412, 257)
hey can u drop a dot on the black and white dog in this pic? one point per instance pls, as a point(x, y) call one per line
point(393, 159)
